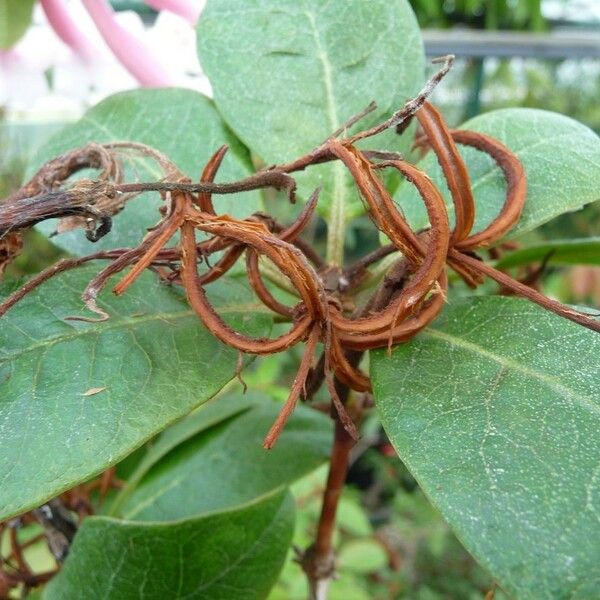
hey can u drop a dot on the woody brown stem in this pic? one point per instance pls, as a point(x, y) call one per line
point(318, 561)
point(80, 199)
point(342, 445)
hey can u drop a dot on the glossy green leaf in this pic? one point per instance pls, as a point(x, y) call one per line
point(226, 465)
point(561, 158)
point(286, 74)
point(232, 555)
point(555, 252)
point(181, 123)
point(496, 412)
point(15, 17)
point(58, 426)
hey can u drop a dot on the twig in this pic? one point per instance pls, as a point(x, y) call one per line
point(412, 106)
point(318, 561)
point(81, 199)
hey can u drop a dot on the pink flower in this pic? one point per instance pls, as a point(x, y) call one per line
point(138, 59)
point(59, 17)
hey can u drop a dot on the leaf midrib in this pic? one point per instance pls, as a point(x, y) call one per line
point(584, 401)
point(123, 323)
point(151, 499)
point(337, 210)
point(327, 78)
point(244, 555)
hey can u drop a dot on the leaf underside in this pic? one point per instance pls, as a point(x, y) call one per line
point(226, 465)
point(314, 64)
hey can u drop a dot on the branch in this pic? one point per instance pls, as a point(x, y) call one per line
point(81, 199)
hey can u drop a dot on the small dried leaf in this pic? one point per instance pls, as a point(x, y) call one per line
point(94, 391)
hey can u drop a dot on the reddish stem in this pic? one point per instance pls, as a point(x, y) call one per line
point(318, 561)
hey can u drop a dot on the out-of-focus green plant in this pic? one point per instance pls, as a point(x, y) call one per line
point(482, 14)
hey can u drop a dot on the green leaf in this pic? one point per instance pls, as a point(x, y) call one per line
point(15, 17)
point(208, 415)
point(232, 555)
point(496, 412)
point(352, 517)
point(561, 159)
point(153, 357)
point(181, 123)
point(286, 74)
point(362, 556)
point(226, 465)
point(557, 252)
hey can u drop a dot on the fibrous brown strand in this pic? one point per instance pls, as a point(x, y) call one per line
point(297, 386)
point(455, 170)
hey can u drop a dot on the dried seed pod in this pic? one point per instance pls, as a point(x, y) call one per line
point(283, 255)
point(430, 258)
point(455, 171)
point(516, 190)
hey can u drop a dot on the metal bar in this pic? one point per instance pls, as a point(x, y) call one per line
point(469, 43)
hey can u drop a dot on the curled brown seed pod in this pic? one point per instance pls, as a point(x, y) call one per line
point(153, 244)
point(454, 168)
point(144, 254)
point(372, 191)
point(256, 235)
point(208, 174)
point(204, 202)
point(516, 191)
point(56, 171)
point(442, 140)
point(385, 213)
point(261, 290)
point(85, 199)
point(296, 390)
point(288, 234)
point(406, 330)
point(288, 259)
point(353, 377)
point(168, 167)
point(224, 264)
point(460, 255)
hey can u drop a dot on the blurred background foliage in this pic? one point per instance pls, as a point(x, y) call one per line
point(392, 542)
point(481, 14)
